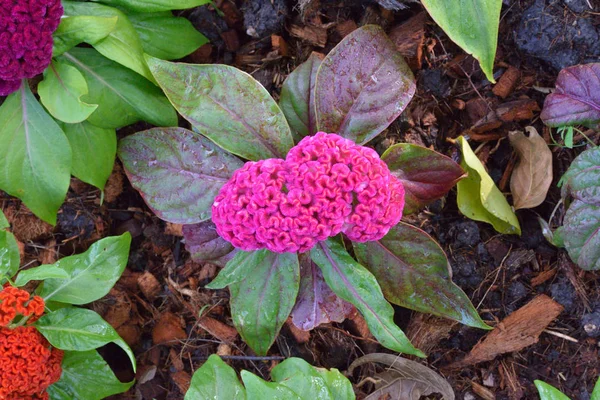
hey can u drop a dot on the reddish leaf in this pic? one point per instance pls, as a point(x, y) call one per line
point(576, 99)
point(177, 172)
point(316, 303)
point(363, 85)
point(204, 243)
point(425, 174)
point(297, 98)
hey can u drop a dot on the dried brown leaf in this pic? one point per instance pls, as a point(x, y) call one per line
point(403, 379)
point(532, 175)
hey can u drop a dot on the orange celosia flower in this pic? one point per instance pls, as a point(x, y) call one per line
point(28, 364)
point(14, 301)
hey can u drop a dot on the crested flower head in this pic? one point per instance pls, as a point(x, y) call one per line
point(14, 301)
point(28, 364)
point(26, 28)
point(326, 185)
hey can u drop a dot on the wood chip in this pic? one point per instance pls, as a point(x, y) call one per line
point(298, 334)
point(231, 39)
point(149, 285)
point(168, 329)
point(182, 380)
point(425, 331)
point(345, 28)
point(218, 329)
point(409, 39)
point(131, 333)
point(202, 55)
point(174, 229)
point(175, 360)
point(507, 82)
point(114, 185)
point(312, 34)
point(543, 277)
point(482, 391)
point(280, 45)
point(520, 329)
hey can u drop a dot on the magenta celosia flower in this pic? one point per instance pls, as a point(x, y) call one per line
point(326, 185)
point(26, 28)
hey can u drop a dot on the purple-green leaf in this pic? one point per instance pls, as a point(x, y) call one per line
point(576, 99)
point(425, 174)
point(355, 284)
point(262, 302)
point(413, 272)
point(204, 243)
point(582, 179)
point(362, 86)
point(177, 172)
point(226, 105)
point(581, 234)
point(297, 98)
point(316, 303)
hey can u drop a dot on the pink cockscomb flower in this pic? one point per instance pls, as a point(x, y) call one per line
point(326, 185)
point(26, 28)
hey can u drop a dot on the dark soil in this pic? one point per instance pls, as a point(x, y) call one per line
point(155, 306)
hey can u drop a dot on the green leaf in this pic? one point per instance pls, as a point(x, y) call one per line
point(258, 389)
point(79, 329)
point(78, 29)
point(312, 383)
point(39, 274)
point(425, 174)
point(122, 44)
point(355, 284)
point(581, 234)
point(178, 172)
point(226, 105)
point(9, 255)
point(238, 268)
point(3, 221)
point(85, 375)
point(297, 99)
point(215, 380)
point(94, 152)
point(549, 392)
point(91, 274)
point(61, 92)
point(582, 179)
point(155, 5)
point(479, 198)
point(362, 85)
point(413, 272)
point(35, 157)
point(123, 97)
point(596, 391)
point(471, 24)
point(167, 37)
point(262, 302)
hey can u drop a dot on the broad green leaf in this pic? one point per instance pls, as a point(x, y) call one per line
point(581, 234)
point(226, 105)
point(79, 29)
point(596, 391)
point(312, 383)
point(362, 85)
point(355, 284)
point(61, 92)
point(413, 272)
point(238, 268)
point(549, 392)
point(85, 375)
point(9, 255)
point(215, 380)
point(35, 157)
point(94, 151)
point(479, 198)
point(262, 302)
point(471, 24)
point(179, 173)
point(122, 44)
point(91, 274)
point(123, 97)
point(155, 5)
point(425, 174)
point(79, 329)
point(39, 274)
point(3, 221)
point(258, 389)
point(297, 99)
point(167, 37)
point(582, 179)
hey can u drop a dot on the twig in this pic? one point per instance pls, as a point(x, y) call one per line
point(561, 335)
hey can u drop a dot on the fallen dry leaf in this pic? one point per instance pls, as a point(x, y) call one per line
point(403, 379)
point(532, 176)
